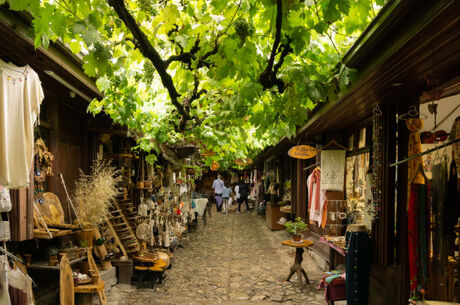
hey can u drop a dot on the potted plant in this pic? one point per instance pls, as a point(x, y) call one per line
point(296, 228)
point(53, 252)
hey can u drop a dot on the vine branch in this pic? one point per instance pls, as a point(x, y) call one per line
point(146, 48)
point(268, 77)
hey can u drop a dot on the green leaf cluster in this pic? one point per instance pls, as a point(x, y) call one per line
point(236, 117)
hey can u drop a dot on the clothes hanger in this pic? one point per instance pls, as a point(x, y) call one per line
point(377, 110)
point(411, 114)
point(331, 142)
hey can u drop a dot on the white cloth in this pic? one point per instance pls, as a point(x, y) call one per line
point(332, 170)
point(218, 186)
point(200, 205)
point(4, 268)
point(20, 97)
point(237, 191)
point(5, 199)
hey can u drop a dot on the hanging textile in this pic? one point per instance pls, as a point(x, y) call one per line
point(316, 198)
point(357, 267)
point(20, 97)
point(439, 197)
point(454, 135)
point(415, 147)
point(332, 170)
point(4, 268)
point(452, 207)
point(418, 235)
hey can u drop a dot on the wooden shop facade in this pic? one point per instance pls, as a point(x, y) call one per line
point(44, 236)
point(405, 102)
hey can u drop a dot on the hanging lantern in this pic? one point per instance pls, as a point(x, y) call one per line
point(215, 165)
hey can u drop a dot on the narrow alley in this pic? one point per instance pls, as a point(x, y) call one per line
point(235, 259)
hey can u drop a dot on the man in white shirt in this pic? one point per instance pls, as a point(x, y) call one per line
point(218, 186)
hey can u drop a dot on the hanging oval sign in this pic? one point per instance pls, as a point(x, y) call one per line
point(208, 153)
point(246, 161)
point(302, 152)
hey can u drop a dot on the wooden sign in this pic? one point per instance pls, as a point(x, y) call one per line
point(246, 161)
point(208, 153)
point(239, 162)
point(302, 152)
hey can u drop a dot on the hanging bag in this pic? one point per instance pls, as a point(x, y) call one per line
point(5, 233)
point(5, 199)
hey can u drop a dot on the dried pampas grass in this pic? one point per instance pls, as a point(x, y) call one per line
point(95, 193)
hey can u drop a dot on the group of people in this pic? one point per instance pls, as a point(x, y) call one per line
point(225, 195)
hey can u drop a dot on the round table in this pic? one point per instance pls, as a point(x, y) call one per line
point(297, 266)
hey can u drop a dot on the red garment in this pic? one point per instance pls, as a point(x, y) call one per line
point(413, 238)
point(314, 192)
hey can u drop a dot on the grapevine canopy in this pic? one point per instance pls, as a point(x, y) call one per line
point(230, 76)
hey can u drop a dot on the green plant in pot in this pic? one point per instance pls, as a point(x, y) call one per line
point(53, 253)
point(296, 228)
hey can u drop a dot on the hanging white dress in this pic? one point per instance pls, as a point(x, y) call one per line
point(4, 293)
point(20, 96)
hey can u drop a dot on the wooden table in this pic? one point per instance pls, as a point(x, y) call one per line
point(297, 266)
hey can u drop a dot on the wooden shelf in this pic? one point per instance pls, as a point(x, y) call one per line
point(44, 265)
point(122, 155)
point(42, 234)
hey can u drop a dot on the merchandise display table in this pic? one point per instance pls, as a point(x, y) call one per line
point(297, 266)
point(334, 250)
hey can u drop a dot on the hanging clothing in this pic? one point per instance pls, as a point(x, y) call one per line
point(4, 268)
point(357, 267)
point(418, 235)
point(316, 199)
point(20, 96)
point(415, 147)
point(20, 287)
point(454, 135)
point(332, 170)
point(439, 202)
point(452, 207)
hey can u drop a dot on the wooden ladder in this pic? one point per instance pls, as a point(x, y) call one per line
point(130, 212)
point(119, 223)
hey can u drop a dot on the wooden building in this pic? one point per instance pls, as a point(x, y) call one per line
point(408, 56)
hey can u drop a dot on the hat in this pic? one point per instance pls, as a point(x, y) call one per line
point(282, 221)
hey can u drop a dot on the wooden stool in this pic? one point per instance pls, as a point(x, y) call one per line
point(297, 266)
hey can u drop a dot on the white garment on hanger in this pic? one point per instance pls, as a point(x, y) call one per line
point(4, 268)
point(17, 279)
point(20, 96)
point(332, 170)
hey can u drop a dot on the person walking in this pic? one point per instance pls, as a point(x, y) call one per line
point(243, 190)
point(218, 186)
point(225, 197)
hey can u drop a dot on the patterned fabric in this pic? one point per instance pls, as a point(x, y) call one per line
point(317, 207)
point(415, 147)
point(357, 264)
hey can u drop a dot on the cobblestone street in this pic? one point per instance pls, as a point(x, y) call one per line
point(236, 259)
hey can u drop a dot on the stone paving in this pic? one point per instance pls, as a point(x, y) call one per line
point(235, 259)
